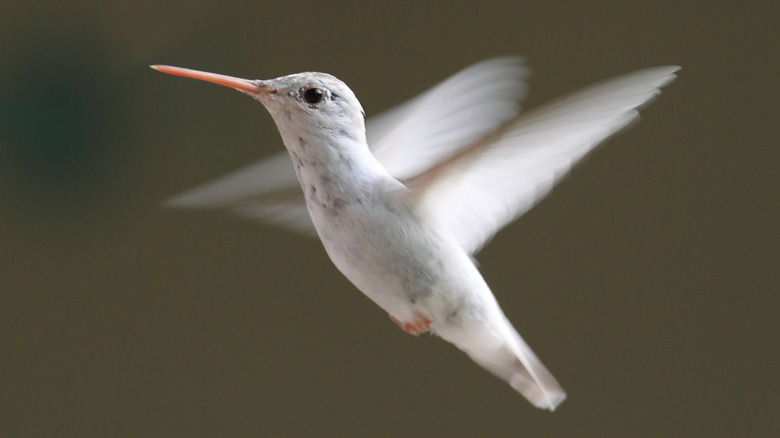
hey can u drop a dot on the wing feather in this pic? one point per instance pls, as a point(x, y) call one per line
point(490, 183)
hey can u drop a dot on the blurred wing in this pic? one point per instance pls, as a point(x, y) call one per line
point(414, 136)
point(495, 180)
point(267, 190)
point(407, 140)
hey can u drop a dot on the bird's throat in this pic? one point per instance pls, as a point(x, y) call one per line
point(335, 172)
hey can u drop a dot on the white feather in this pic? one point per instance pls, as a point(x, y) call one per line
point(502, 176)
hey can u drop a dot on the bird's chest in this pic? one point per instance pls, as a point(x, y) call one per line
point(380, 247)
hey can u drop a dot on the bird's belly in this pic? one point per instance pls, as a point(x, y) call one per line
point(392, 258)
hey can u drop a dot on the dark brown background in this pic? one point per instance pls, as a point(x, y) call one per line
point(647, 283)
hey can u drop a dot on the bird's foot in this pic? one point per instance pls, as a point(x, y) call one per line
point(416, 327)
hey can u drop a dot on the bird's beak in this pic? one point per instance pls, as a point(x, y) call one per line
point(254, 87)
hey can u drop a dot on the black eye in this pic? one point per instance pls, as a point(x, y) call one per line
point(313, 95)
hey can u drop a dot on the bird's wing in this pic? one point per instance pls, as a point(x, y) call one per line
point(407, 140)
point(414, 136)
point(491, 182)
point(267, 190)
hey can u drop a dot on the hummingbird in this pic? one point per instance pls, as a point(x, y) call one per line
point(403, 202)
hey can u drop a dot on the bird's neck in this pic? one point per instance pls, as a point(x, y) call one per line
point(336, 168)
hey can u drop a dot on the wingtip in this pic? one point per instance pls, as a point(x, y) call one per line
point(189, 199)
point(669, 72)
point(182, 201)
point(172, 203)
point(673, 69)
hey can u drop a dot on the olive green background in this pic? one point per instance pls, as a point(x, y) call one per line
point(647, 283)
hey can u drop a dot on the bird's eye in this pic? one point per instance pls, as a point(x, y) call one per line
point(313, 95)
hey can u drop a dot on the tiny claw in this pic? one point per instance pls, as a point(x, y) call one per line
point(414, 328)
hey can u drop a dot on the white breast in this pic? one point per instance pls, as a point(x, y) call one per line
point(386, 251)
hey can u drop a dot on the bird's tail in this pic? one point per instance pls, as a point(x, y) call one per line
point(504, 353)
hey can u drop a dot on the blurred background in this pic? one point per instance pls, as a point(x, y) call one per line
point(647, 283)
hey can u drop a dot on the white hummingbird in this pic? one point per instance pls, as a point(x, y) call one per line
point(404, 201)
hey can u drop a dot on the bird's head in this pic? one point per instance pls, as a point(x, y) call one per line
point(310, 105)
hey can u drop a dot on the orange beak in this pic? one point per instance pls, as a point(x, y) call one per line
point(255, 87)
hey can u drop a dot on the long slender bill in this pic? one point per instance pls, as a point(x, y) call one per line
point(227, 81)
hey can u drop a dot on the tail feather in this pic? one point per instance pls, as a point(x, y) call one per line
point(504, 353)
point(533, 380)
point(519, 366)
